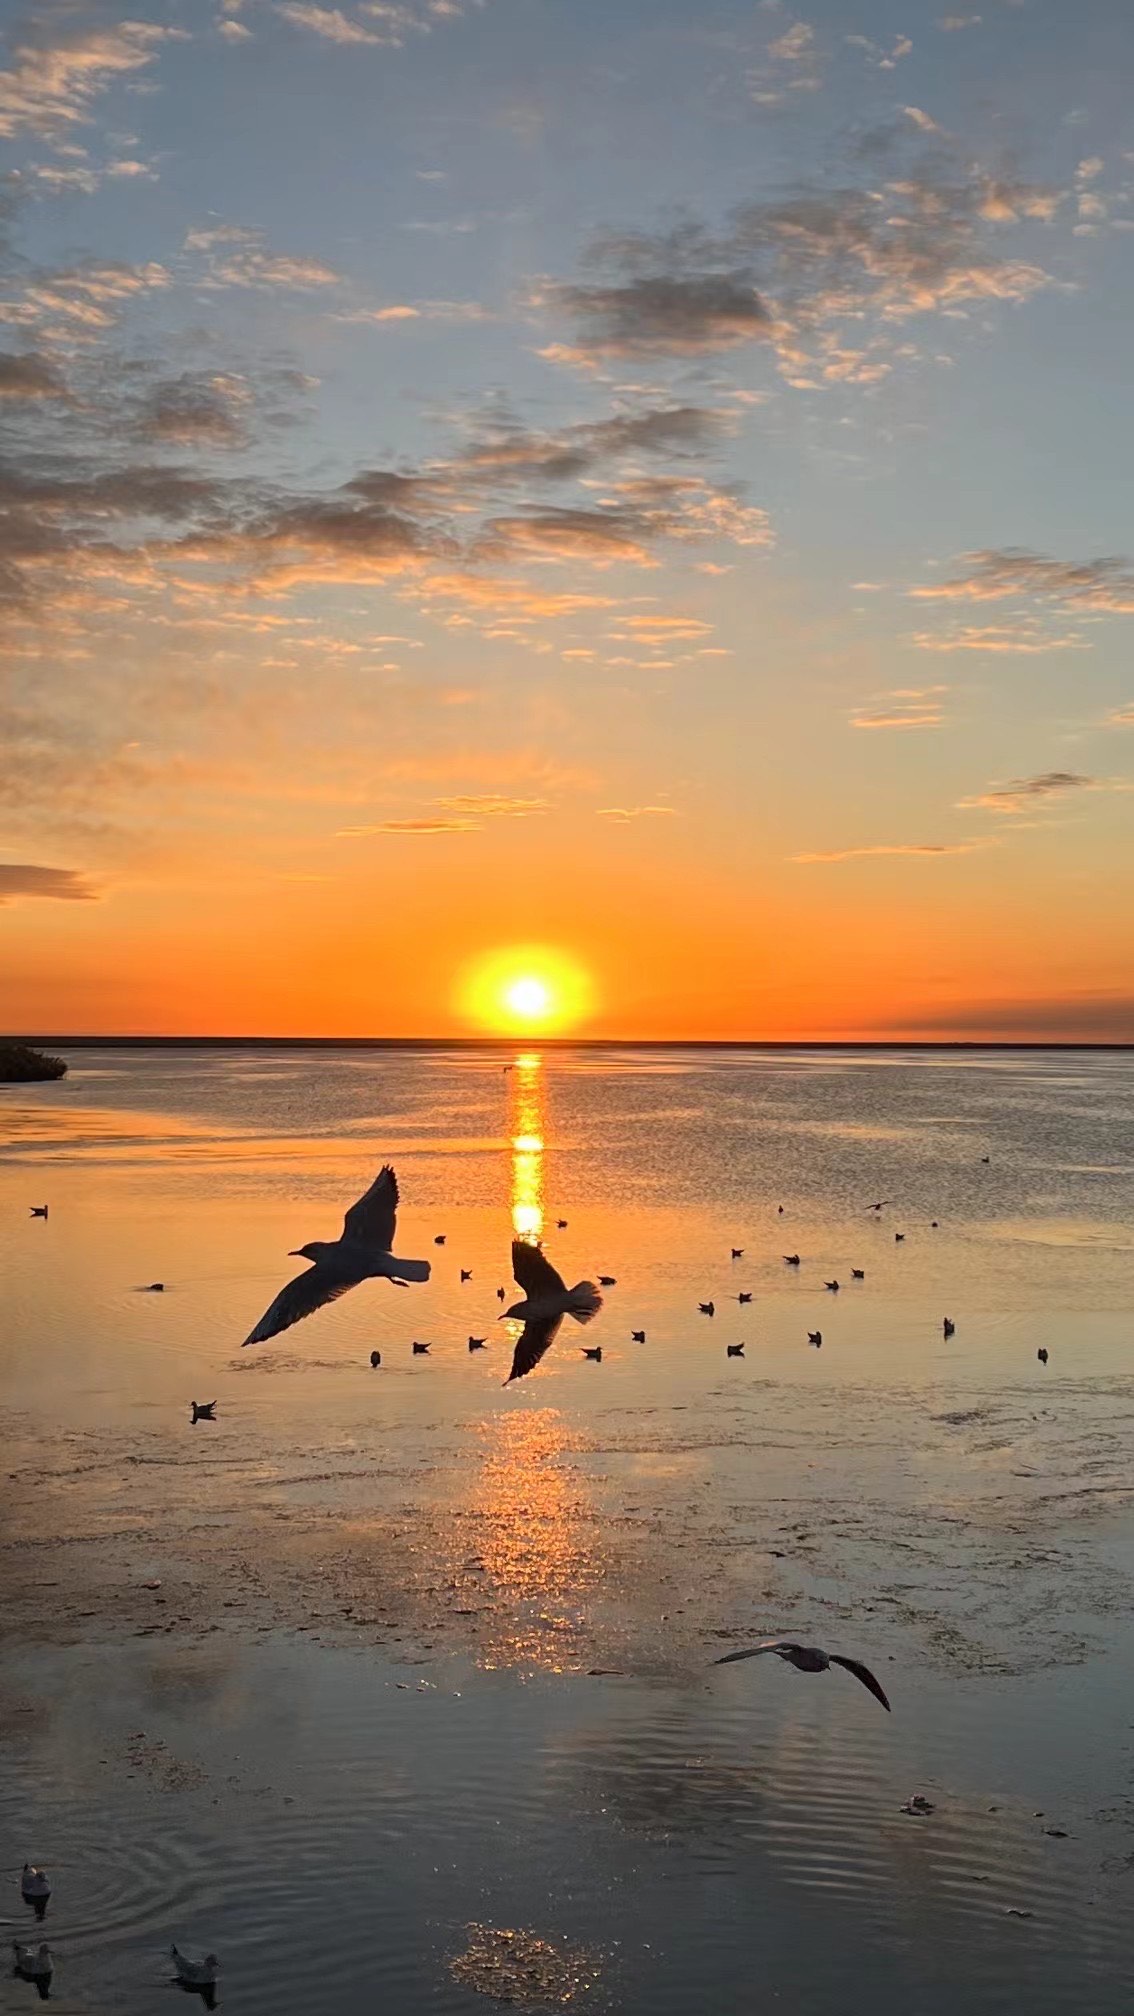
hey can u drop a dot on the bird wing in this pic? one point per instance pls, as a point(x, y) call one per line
point(533, 1341)
point(371, 1221)
point(534, 1272)
point(300, 1298)
point(864, 1674)
point(754, 1651)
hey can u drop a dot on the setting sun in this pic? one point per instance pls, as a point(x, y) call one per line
point(526, 987)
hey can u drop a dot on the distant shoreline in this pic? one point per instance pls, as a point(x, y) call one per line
point(533, 1042)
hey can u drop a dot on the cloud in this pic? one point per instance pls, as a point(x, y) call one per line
point(658, 314)
point(205, 409)
point(53, 82)
point(623, 814)
point(952, 24)
point(790, 65)
point(329, 22)
point(29, 377)
point(1121, 717)
point(234, 31)
point(930, 849)
point(418, 826)
point(995, 574)
point(1023, 639)
point(1023, 794)
point(78, 304)
point(903, 707)
point(1103, 1017)
point(490, 805)
point(64, 885)
point(797, 270)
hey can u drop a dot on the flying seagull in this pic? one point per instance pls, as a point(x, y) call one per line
point(362, 1253)
point(546, 1301)
point(809, 1659)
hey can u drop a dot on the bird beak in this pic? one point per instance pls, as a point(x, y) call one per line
point(295, 1254)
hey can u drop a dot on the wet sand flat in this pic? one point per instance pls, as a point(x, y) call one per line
point(425, 1658)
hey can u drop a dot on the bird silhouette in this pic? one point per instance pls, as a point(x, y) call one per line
point(734, 1350)
point(501, 1294)
point(561, 1224)
point(791, 1259)
point(375, 1360)
point(593, 1351)
point(858, 1273)
point(440, 1239)
point(1041, 1354)
point(948, 1326)
point(637, 1336)
point(466, 1273)
point(707, 1308)
point(833, 1286)
point(477, 1343)
point(815, 1336)
point(546, 1301)
point(203, 1410)
point(195, 1973)
point(737, 1252)
point(155, 1288)
point(744, 1296)
point(39, 1210)
point(420, 1350)
point(809, 1659)
point(361, 1253)
point(607, 1281)
point(898, 1237)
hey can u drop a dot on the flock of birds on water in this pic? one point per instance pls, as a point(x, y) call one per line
point(363, 1252)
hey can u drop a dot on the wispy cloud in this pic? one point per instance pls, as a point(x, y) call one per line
point(416, 826)
point(1024, 794)
point(623, 814)
point(55, 79)
point(64, 885)
point(930, 849)
point(26, 376)
point(490, 805)
point(1105, 585)
point(1121, 717)
point(1026, 638)
point(902, 707)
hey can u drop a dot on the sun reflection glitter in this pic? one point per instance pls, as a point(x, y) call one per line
point(539, 1544)
point(526, 1126)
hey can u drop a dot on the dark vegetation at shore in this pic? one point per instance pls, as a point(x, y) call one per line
point(21, 1065)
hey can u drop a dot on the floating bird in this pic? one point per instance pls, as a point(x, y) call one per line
point(986, 1158)
point(781, 1210)
point(791, 1259)
point(594, 1352)
point(501, 1294)
point(744, 1296)
point(833, 1286)
point(440, 1239)
point(508, 1067)
point(420, 1350)
point(808, 1659)
point(466, 1273)
point(898, 1237)
point(1041, 1354)
point(546, 1301)
point(737, 1252)
point(203, 1410)
point(155, 1288)
point(607, 1281)
point(734, 1350)
point(948, 1326)
point(362, 1253)
point(637, 1336)
point(195, 1973)
point(858, 1273)
point(39, 1210)
point(707, 1308)
point(375, 1360)
point(33, 1962)
point(815, 1336)
point(477, 1343)
point(933, 1225)
point(35, 1885)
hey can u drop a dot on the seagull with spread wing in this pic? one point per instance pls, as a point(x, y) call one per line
point(547, 1300)
point(809, 1659)
point(363, 1253)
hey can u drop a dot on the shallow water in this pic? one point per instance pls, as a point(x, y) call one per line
point(428, 1653)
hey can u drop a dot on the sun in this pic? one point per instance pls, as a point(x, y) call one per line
point(533, 989)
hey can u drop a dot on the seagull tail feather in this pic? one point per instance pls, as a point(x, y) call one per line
point(584, 1302)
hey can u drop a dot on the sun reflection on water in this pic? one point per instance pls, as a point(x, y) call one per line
point(526, 1126)
point(539, 1546)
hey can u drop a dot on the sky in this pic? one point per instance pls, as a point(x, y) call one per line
point(635, 493)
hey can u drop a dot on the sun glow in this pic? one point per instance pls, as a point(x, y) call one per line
point(527, 988)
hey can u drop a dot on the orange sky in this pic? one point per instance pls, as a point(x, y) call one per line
point(417, 543)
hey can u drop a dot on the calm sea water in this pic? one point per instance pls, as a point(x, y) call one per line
point(394, 1687)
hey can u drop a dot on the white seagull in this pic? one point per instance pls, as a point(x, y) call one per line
point(809, 1659)
point(363, 1253)
point(547, 1300)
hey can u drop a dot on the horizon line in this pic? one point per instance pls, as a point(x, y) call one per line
point(91, 1040)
